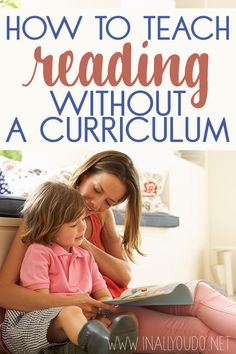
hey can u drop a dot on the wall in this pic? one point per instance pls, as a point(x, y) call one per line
point(61, 4)
point(178, 254)
point(206, 3)
point(59, 156)
point(127, 3)
point(8, 227)
point(190, 3)
point(222, 197)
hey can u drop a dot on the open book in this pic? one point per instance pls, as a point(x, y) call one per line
point(171, 294)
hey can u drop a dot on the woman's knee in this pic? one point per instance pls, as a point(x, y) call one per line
point(204, 292)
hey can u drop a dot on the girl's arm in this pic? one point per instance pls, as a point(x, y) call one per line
point(113, 262)
point(102, 295)
point(17, 297)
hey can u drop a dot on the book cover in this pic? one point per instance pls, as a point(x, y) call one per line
point(165, 294)
point(171, 294)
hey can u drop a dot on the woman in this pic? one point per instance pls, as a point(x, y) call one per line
point(106, 179)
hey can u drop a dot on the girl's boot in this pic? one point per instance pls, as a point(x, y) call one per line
point(96, 338)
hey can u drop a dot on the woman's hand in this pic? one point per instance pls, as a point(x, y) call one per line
point(112, 261)
point(88, 305)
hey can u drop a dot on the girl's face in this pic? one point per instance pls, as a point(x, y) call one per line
point(71, 234)
point(101, 191)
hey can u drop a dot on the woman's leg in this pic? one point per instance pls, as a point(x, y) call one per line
point(212, 308)
point(215, 310)
point(165, 333)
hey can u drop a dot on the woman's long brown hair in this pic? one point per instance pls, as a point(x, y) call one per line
point(121, 166)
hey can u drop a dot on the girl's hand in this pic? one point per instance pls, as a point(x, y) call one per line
point(88, 305)
point(105, 320)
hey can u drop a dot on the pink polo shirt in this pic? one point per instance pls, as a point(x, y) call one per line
point(52, 267)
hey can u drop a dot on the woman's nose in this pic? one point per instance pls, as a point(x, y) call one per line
point(96, 204)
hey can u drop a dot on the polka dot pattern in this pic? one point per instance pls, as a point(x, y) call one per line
point(4, 188)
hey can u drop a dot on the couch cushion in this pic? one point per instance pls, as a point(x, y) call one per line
point(155, 219)
point(10, 206)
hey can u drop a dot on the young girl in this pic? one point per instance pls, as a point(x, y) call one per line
point(54, 263)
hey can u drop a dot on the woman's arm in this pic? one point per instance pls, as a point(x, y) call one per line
point(101, 295)
point(10, 270)
point(114, 262)
point(17, 297)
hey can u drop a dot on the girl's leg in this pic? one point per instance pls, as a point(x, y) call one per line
point(165, 333)
point(66, 325)
point(212, 308)
point(92, 335)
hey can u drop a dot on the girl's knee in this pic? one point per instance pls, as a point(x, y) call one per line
point(70, 311)
point(56, 330)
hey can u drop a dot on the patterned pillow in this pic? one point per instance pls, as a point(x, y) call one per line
point(22, 179)
point(152, 187)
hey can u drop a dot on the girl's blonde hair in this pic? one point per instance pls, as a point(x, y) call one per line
point(121, 166)
point(50, 206)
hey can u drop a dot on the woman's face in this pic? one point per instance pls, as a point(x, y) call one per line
point(101, 191)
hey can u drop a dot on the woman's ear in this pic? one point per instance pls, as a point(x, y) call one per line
point(81, 178)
